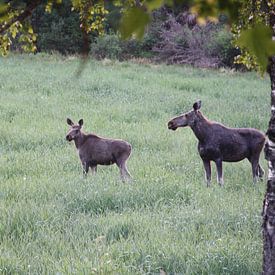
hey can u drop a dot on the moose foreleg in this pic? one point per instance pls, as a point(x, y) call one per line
point(219, 171)
point(207, 168)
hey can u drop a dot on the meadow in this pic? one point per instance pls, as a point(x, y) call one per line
point(53, 221)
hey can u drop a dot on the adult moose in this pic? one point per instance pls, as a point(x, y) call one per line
point(219, 143)
point(94, 150)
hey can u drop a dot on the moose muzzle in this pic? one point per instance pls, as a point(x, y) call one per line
point(69, 138)
point(172, 126)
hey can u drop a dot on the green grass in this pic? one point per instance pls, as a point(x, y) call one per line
point(55, 222)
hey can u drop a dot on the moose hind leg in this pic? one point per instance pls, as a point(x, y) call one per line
point(124, 173)
point(260, 172)
point(85, 167)
point(94, 169)
point(207, 168)
point(127, 172)
point(255, 169)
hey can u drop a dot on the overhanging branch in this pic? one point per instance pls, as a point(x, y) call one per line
point(22, 16)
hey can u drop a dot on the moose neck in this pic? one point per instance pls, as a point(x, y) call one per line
point(201, 128)
point(80, 140)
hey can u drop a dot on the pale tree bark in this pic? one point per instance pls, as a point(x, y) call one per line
point(269, 200)
point(268, 226)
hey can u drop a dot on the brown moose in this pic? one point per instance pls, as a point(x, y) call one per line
point(219, 143)
point(94, 150)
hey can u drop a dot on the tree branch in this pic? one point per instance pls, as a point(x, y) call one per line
point(21, 17)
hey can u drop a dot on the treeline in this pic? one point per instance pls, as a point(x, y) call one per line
point(172, 37)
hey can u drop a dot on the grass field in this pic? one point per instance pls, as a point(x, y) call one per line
point(55, 222)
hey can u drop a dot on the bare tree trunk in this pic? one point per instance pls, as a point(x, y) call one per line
point(268, 213)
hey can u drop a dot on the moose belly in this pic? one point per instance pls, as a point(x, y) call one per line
point(103, 160)
point(233, 158)
point(209, 153)
point(97, 158)
point(228, 153)
point(234, 152)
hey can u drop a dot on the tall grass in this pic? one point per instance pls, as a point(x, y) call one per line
point(54, 221)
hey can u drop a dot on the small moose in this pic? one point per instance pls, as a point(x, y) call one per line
point(94, 150)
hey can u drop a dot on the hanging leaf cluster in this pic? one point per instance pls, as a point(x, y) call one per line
point(92, 15)
point(253, 34)
point(15, 24)
point(15, 28)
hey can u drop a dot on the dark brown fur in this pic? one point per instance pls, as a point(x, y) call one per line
point(94, 150)
point(219, 143)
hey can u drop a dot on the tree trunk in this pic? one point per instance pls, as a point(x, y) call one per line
point(269, 200)
point(268, 213)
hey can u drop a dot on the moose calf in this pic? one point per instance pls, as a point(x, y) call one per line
point(219, 143)
point(94, 150)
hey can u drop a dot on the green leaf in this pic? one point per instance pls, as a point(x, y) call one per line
point(258, 42)
point(153, 4)
point(13, 32)
point(3, 11)
point(3, 7)
point(134, 22)
point(30, 30)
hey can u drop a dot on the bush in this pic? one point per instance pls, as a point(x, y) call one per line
point(107, 46)
point(221, 45)
point(58, 30)
point(172, 36)
point(112, 47)
point(130, 48)
point(185, 42)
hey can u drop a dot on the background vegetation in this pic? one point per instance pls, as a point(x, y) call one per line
point(55, 221)
point(173, 36)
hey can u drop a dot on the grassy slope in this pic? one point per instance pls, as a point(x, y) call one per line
point(52, 220)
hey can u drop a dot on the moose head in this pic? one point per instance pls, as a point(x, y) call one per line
point(186, 119)
point(75, 130)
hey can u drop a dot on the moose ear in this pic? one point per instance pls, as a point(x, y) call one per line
point(197, 105)
point(69, 121)
point(80, 122)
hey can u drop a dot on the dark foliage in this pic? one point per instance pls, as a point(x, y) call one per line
point(173, 37)
point(58, 30)
point(111, 46)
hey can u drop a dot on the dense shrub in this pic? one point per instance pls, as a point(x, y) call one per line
point(58, 30)
point(107, 46)
point(112, 47)
point(172, 36)
point(185, 42)
point(221, 46)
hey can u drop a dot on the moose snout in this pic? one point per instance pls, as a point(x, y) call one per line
point(171, 126)
point(69, 138)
